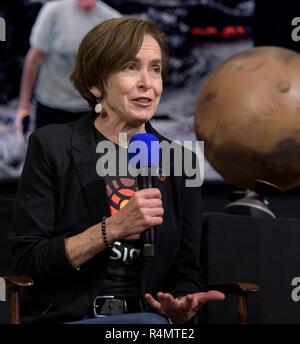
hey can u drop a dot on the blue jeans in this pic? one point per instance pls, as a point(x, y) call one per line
point(129, 318)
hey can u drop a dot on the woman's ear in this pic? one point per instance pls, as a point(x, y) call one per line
point(95, 91)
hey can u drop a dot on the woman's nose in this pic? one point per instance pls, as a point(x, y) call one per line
point(144, 80)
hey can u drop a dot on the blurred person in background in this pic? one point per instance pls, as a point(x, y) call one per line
point(54, 41)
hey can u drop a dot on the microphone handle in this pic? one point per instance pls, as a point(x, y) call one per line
point(150, 233)
point(147, 179)
point(149, 242)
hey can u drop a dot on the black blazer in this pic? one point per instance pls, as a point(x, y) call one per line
point(59, 195)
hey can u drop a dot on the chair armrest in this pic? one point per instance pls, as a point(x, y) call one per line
point(235, 288)
point(17, 281)
point(10, 285)
point(241, 290)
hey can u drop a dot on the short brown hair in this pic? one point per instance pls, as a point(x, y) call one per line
point(107, 47)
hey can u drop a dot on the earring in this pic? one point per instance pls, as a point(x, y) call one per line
point(98, 107)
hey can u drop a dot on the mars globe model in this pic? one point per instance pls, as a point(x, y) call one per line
point(248, 115)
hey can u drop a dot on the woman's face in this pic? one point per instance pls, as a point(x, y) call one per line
point(133, 93)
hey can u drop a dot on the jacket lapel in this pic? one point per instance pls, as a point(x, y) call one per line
point(85, 158)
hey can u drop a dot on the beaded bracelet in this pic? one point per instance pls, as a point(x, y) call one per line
point(103, 231)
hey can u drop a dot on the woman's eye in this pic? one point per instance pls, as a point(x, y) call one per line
point(156, 69)
point(130, 67)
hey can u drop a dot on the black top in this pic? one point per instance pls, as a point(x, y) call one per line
point(122, 277)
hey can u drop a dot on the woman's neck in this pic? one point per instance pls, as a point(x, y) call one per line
point(111, 129)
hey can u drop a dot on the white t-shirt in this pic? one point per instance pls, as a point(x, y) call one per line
point(58, 31)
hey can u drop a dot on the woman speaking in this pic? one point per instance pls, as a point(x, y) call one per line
point(77, 234)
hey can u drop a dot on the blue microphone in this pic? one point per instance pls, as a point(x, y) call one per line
point(144, 155)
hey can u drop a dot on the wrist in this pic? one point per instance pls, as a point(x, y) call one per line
point(24, 106)
point(112, 229)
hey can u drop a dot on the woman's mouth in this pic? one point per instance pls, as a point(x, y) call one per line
point(142, 101)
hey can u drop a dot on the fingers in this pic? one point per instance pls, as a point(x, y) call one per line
point(19, 118)
point(157, 211)
point(19, 127)
point(21, 113)
point(183, 308)
point(175, 309)
point(152, 302)
point(167, 301)
point(149, 206)
point(214, 295)
point(149, 203)
point(211, 295)
point(189, 302)
point(149, 193)
point(143, 200)
point(163, 300)
point(153, 221)
point(144, 210)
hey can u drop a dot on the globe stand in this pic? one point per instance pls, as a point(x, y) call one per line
point(254, 201)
